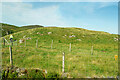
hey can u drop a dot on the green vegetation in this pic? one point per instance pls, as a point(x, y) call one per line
point(79, 63)
point(10, 29)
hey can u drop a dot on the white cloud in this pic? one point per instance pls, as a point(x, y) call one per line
point(93, 6)
point(11, 0)
point(0, 12)
point(23, 13)
point(60, 0)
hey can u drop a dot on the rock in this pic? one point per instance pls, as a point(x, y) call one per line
point(115, 39)
point(22, 74)
point(103, 76)
point(64, 75)
point(108, 77)
point(22, 70)
point(28, 38)
point(38, 33)
point(49, 32)
point(88, 77)
point(18, 70)
point(118, 77)
point(71, 36)
point(111, 77)
point(21, 41)
point(24, 36)
point(83, 36)
point(79, 39)
point(65, 35)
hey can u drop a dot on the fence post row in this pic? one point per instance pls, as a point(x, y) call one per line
point(92, 50)
point(11, 61)
point(37, 43)
point(63, 66)
point(4, 41)
point(70, 47)
point(51, 44)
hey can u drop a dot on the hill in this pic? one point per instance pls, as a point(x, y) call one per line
point(9, 29)
point(32, 26)
point(80, 62)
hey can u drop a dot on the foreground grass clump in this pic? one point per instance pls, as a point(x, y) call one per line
point(15, 72)
point(79, 62)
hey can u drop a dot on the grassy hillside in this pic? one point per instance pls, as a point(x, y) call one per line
point(79, 62)
point(31, 26)
point(9, 29)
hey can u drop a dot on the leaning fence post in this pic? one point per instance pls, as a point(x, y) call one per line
point(4, 41)
point(63, 66)
point(92, 50)
point(51, 44)
point(70, 47)
point(37, 43)
point(11, 61)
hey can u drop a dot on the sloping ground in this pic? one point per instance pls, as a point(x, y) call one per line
point(32, 26)
point(10, 29)
point(79, 62)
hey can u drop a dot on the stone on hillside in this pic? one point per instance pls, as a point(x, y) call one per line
point(115, 39)
point(22, 74)
point(20, 41)
point(64, 75)
point(103, 76)
point(88, 77)
point(111, 77)
point(71, 36)
point(38, 32)
point(22, 70)
point(79, 39)
point(18, 70)
point(28, 38)
point(49, 32)
point(83, 36)
point(24, 36)
point(65, 35)
point(118, 77)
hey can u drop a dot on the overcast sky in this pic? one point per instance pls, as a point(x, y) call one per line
point(100, 16)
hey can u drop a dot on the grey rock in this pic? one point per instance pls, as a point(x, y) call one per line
point(64, 75)
point(18, 70)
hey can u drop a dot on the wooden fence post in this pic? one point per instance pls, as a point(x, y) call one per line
point(51, 44)
point(11, 61)
point(37, 43)
point(70, 47)
point(63, 66)
point(25, 42)
point(4, 41)
point(92, 50)
point(16, 42)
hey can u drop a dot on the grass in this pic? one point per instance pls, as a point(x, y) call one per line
point(79, 63)
point(10, 29)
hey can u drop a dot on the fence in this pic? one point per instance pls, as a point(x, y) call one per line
point(55, 57)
